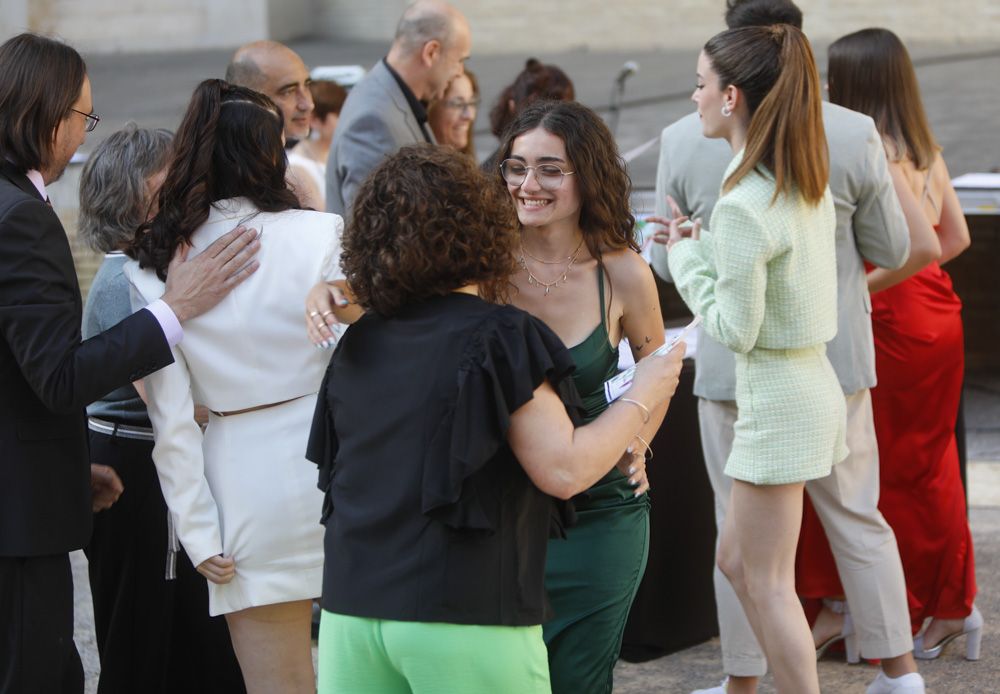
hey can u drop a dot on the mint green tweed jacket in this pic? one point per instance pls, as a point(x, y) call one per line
point(764, 281)
point(766, 275)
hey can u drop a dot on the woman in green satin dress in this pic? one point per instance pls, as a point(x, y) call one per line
point(580, 272)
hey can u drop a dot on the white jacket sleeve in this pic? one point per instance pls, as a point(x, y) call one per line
point(177, 454)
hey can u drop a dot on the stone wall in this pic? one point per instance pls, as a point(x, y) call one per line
point(110, 26)
point(555, 25)
point(512, 26)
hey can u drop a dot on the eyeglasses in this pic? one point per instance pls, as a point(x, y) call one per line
point(460, 105)
point(92, 119)
point(548, 176)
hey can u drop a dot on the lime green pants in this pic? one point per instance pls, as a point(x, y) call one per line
point(380, 656)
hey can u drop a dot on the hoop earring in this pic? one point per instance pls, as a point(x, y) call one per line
point(726, 111)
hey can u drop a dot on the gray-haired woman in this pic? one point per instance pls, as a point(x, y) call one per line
point(150, 605)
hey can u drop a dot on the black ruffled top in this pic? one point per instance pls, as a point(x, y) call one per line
point(429, 517)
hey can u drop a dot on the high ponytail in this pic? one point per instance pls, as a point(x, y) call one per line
point(774, 68)
point(229, 144)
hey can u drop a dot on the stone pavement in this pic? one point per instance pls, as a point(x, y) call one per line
point(700, 666)
point(153, 90)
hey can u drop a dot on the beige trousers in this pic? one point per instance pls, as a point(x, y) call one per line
point(863, 544)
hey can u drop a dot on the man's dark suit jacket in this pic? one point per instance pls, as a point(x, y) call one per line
point(48, 376)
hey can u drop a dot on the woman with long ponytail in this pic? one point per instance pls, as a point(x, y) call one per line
point(765, 283)
point(242, 499)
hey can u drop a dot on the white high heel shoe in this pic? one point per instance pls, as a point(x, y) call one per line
point(972, 629)
point(847, 633)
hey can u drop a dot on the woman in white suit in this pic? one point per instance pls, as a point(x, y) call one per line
point(242, 499)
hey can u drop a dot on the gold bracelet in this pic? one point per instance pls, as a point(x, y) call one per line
point(643, 408)
point(649, 449)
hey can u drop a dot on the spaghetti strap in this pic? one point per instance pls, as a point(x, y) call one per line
point(926, 197)
point(600, 289)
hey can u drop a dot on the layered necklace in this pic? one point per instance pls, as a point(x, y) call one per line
point(568, 261)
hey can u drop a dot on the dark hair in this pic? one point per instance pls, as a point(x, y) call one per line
point(228, 144)
point(773, 67)
point(470, 146)
point(328, 97)
point(534, 83)
point(424, 223)
point(759, 13)
point(114, 195)
point(40, 80)
point(870, 71)
point(605, 188)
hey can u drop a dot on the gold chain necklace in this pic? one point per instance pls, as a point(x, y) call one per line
point(548, 286)
point(524, 251)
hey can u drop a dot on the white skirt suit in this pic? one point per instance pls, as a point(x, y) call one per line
point(244, 488)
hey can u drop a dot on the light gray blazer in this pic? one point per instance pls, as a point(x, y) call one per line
point(376, 121)
point(870, 226)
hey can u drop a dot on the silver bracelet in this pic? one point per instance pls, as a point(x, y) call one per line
point(643, 408)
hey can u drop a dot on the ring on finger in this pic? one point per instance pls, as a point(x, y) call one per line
point(313, 314)
point(326, 313)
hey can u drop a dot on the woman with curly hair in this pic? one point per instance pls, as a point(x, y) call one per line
point(577, 268)
point(536, 82)
point(242, 500)
point(444, 444)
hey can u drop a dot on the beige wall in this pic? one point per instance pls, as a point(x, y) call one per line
point(498, 25)
point(108, 26)
point(501, 26)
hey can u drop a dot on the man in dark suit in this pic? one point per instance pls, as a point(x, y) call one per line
point(48, 375)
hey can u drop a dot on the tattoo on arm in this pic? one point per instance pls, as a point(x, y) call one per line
point(639, 348)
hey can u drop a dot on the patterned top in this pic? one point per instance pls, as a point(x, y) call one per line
point(766, 276)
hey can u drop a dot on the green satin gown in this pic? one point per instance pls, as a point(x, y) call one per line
point(592, 576)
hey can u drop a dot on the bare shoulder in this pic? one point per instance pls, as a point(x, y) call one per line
point(939, 172)
point(629, 272)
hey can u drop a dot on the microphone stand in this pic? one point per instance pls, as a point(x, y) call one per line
point(618, 94)
point(614, 112)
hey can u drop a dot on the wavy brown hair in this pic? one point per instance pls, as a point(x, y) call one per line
point(774, 68)
point(870, 71)
point(605, 188)
point(229, 145)
point(425, 223)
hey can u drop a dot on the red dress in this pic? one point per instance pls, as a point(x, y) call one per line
point(919, 360)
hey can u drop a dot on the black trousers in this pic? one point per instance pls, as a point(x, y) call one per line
point(37, 653)
point(153, 635)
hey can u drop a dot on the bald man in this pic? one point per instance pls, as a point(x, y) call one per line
point(388, 108)
point(275, 70)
